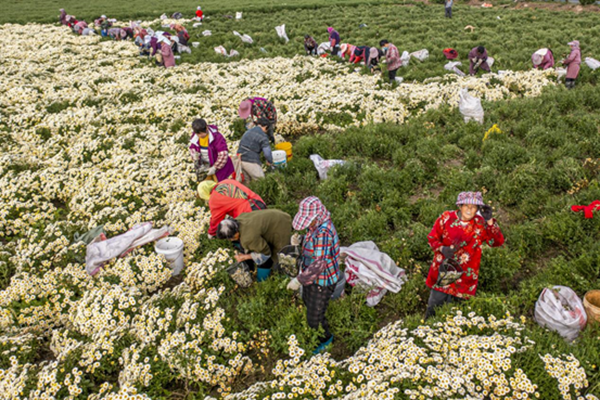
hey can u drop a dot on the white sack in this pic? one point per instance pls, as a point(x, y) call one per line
point(592, 63)
point(281, 32)
point(559, 309)
point(420, 55)
point(323, 166)
point(470, 107)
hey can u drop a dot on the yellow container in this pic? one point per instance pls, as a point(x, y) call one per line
point(287, 147)
point(591, 303)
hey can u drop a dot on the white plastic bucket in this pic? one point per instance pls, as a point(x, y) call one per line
point(279, 158)
point(195, 44)
point(172, 249)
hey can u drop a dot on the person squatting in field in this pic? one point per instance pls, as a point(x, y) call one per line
point(227, 198)
point(319, 270)
point(572, 62)
point(310, 45)
point(259, 108)
point(258, 236)
point(478, 60)
point(456, 239)
point(209, 152)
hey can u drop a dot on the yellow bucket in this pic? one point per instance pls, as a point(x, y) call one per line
point(287, 147)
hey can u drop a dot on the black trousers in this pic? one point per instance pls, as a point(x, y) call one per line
point(437, 299)
point(316, 299)
point(448, 12)
point(392, 74)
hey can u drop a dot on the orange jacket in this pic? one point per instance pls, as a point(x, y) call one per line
point(231, 198)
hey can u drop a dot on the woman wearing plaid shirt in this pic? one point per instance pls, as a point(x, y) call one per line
point(320, 260)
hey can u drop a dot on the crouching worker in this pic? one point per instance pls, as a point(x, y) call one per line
point(456, 239)
point(209, 152)
point(258, 236)
point(543, 59)
point(228, 198)
point(320, 264)
point(478, 59)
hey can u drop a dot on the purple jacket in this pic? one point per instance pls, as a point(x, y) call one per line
point(573, 63)
point(216, 144)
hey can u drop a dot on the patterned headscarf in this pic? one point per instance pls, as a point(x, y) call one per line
point(475, 198)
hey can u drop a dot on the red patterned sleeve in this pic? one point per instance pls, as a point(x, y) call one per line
point(493, 235)
point(435, 236)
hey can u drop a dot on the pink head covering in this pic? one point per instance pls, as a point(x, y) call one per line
point(310, 209)
point(574, 43)
point(329, 29)
point(475, 198)
point(245, 109)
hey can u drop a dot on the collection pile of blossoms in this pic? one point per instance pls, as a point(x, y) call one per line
point(90, 135)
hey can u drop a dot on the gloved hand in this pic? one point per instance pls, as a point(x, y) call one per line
point(211, 171)
point(486, 212)
point(296, 239)
point(294, 284)
point(210, 236)
point(447, 251)
point(473, 60)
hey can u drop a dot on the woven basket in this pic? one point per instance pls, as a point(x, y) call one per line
point(591, 303)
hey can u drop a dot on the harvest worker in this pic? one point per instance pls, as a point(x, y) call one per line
point(199, 14)
point(334, 41)
point(543, 59)
point(458, 236)
point(260, 236)
point(478, 59)
point(320, 264)
point(167, 58)
point(448, 6)
point(257, 108)
point(227, 198)
point(116, 33)
point(347, 49)
point(63, 16)
point(310, 45)
point(359, 54)
point(392, 58)
point(209, 152)
point(572, 62)
point(79, 27)
point(253, 142)
point(372, 60)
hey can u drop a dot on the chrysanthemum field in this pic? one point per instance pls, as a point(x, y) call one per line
point(91, 134)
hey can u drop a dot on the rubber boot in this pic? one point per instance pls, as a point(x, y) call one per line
point(262, 274)
point(323, 345)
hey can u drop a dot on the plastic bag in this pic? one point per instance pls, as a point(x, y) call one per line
point(238, 15)
point(164, 16)
point(560, 72)
point(405, 58)
point(452, 66)
point(470, 107)
point(490, 61)
point(197, 24)
point(420, 55)
point(559, 309)
point(323, 48)
point(233, 53)
point(206, 33)
point(323, 166)
point(221, 50)
point(245, 38)
point(592, 63)
point(281, 32)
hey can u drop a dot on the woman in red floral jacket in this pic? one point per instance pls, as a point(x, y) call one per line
point(459, 235)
